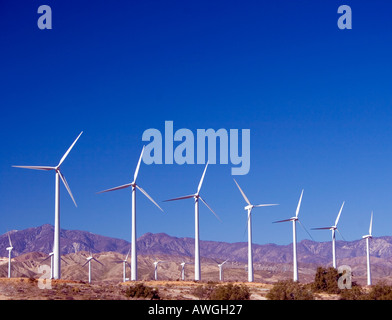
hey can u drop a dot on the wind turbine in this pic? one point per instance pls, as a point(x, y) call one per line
point(133, 240)
point(59, 175)
point(9, 249)
point(294, 220)
point(367, 237)
point(220, 266)
point(183, 269)
point(51, 263)
point(89, 259)
point(249, 208)
point(333, 229)
point(125, 262)
point(197, 196)
point(156, 268)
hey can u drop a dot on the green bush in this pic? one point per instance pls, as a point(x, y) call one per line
point(203, 292)
point(355, 293)
point(212, 291)
point(380, 291)
point(142, 291)
point(230, 292)
point(289, 290)
point(326, 280)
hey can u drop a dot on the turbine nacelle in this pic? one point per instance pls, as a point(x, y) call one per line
point(367, 236)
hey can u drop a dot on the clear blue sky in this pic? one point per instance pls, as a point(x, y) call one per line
point(318, 102)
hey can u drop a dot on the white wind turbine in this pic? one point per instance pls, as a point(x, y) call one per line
point(249, 208)
point(294, 220)
point(125, 263)
point(183, 269)
point(197, 196)
point(156, 268)
point(51, 263)
point(367, 237)
point(89, 259)
point(220, 266)
point(59, 175)
point(333, 229)
point(9, 249)
point(133, 240)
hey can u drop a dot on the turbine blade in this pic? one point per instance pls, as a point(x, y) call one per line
point(126, 258)
point(299, 204)
point(69, 150)
point(138, 166)
point(67, 187)
point(9, 239)
point(323, 228)
point(116, 188)
point(180, 198)
point(247, 222)
point(210, 209)
point(371, 223)
point(85, 263)
point(340, 211)
point(148, 196)
point(64, 260)
point(340, 234)
point(46, 168)
point(201, 180)
point(242, 192)
point(283, 220)
point(45, 259)
point(265, 205)
point(303, 227)
point(98, 261)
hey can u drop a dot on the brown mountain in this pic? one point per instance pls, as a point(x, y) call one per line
point(271, 261)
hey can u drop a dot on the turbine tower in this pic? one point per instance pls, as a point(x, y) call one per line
point(133, 240)
point(249, 208)
point(197, 196)
point(156, 268)
point(125, 262)
point(89, 259)
point(183, 269)
point(220, 266)
point(294, 220)
point(51, 263)
point(9, 249)
point(333, 229)
point(367, 237)
point(59, 175)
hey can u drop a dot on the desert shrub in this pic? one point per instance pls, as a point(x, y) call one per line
point(326, 280)
point(203, 292)
point(355, 293)
point(230, 292)
point(380, 291)
point(289, 290)
point(142, 291)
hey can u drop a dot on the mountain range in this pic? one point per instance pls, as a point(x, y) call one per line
point(266, 256)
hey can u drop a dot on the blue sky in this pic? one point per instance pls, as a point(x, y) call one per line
point(317, 100)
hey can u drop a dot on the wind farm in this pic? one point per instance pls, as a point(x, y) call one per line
point(233, 261)
point(195, 133)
